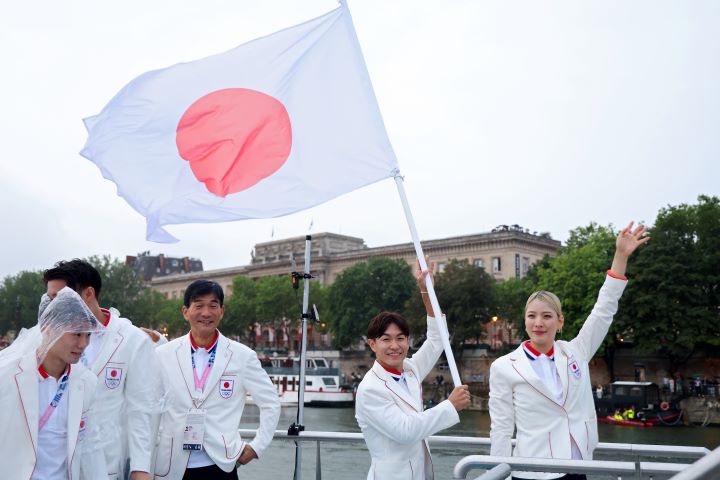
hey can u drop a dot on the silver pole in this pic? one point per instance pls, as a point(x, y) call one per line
point(303, 347)
point(299, 425)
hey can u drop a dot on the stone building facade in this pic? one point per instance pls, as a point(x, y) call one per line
point(505, 252)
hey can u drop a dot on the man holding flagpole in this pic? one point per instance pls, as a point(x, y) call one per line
point(389, 404)
point(208, 377)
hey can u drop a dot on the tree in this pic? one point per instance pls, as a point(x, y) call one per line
point(19, 299)
point(674, 298)
point(169, 318)
point(466, 294)
point(240, 307)
point(361, 292)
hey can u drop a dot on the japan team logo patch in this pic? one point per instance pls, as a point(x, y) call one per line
point(226, 387)
point(575, 369)
point(113, 375)
point(83, 427)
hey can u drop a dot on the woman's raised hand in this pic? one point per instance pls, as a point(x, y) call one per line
point(629, 240)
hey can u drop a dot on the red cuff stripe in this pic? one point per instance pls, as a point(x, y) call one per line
point(614, 275)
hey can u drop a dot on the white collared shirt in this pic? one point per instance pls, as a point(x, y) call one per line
point(52, 449)
point(400, 379)
point(544, 367)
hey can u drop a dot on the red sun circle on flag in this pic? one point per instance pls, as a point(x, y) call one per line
point(226, 385)
point(233, 138)
point(113, 373)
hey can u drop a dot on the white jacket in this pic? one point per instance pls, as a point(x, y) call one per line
point(519, 399)
point(393, 422)
point(128, 394)
point(236, 371)
point(20, 417)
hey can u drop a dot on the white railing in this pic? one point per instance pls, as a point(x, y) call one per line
point(626, 469)
point(617, 469)
point(707, 468)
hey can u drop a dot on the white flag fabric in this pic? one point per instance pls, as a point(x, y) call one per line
point(274, 126)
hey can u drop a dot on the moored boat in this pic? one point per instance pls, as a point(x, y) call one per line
point(322, 383)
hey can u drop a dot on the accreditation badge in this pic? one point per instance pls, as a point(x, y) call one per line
point(113, 376)
point(194, 430)
point(226, 387)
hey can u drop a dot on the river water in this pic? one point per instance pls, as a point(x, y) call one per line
point(350, 462)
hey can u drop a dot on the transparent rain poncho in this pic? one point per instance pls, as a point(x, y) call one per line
point(66, 313)
point(44, 302)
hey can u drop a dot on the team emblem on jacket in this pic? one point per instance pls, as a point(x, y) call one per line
point(83, 426)
point(113, 375)
point(575, 369)
point(226, 387)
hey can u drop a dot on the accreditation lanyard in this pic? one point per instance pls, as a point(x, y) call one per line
point(200, 382)
point(55, 401)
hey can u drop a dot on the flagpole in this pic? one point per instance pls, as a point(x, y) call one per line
point(444, 333)
point(299, 425)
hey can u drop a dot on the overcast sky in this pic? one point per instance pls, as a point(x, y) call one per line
point(546, 114)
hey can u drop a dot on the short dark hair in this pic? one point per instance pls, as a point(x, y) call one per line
point(198, 288)
point(383, 320)
point(77, 274)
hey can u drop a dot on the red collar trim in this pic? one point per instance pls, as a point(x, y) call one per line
point(107, 317)
point(195, 347)
point(45, 375)
point(529, 347)
point(390, 370)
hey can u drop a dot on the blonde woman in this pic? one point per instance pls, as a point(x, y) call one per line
point(542, 390)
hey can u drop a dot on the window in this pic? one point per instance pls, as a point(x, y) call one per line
point(478, 262)
point(496, 265)
point(525, 265)
point(320, 363)
point(440, 267)
point(329, 381)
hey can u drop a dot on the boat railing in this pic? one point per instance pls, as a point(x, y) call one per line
point(617, 469)
point(308, 371)
point(498, 472)
point(636, 465)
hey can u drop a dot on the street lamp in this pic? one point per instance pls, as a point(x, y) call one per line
point(494, 339)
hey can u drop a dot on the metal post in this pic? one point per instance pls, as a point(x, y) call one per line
point(299, 426)
point(428, 283)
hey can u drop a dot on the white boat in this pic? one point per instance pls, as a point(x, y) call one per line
point(322, 383)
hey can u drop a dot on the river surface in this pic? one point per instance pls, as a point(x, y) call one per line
point(350, 462)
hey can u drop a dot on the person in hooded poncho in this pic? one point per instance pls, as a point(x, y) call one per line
point(47, 398)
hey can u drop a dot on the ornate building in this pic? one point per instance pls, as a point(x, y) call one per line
point(506, 252)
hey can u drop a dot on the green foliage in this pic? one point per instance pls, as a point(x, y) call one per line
point(124, 290)
point(240, 307)
point(467, 297)
point(361, 292)
point(673, 299)
point(510, 298)
point(19, 299)
point(169, 316)
point(267, 300)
